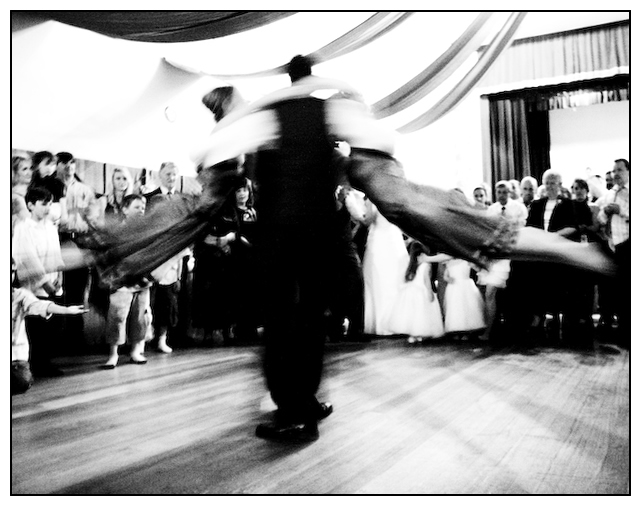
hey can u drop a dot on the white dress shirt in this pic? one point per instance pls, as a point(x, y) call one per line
point(617, 225)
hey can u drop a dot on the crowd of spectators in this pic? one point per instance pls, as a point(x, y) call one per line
point(207, 294)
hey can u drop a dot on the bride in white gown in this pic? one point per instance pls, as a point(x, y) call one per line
point(384, 264)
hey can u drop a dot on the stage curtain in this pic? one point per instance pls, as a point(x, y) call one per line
point(510, 147)
point(581, 53)
point(519, 122)
point(165, 26)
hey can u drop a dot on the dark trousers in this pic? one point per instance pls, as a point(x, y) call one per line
point(347, 294)
point(622, 256)
point(45, 335)
point(75, 283)
point(298, 272)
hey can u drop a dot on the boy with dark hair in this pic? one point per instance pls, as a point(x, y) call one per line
point(36, 249)
point(129, 316)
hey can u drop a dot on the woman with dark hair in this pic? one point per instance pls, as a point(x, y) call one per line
point(43, 166)
point(582, 284)
point(246, 283)
point(586, 213)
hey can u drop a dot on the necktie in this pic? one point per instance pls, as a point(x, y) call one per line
point(503, 209)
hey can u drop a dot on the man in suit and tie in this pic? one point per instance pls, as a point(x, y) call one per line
point(615, 215)
point(495, 278)
point(170, 309)
point(168, 181)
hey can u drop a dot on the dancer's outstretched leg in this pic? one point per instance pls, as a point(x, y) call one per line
point(537, 245)
point(447, 222)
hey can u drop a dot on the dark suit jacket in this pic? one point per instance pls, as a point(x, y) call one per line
point(563, 215)
point(151, 194)
point(157, 193)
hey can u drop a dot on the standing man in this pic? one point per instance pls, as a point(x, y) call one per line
point(298, 242)
point(79, 215)
point(495, 278)
point(615, 215)
point(168, 180)
point(165, 293)
point(36, 250)
point(528, 188)
point(608, 177)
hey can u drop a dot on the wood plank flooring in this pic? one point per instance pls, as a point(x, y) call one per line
point(448, 418)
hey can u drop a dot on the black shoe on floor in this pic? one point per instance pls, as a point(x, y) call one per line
point(325, 409)
point(289, 433)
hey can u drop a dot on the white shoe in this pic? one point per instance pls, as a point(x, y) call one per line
point(164, 348)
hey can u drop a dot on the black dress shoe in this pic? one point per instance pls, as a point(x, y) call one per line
point(325, 409)
point(289, 433)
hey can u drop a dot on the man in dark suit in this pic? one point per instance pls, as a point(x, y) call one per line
point(175, 294)
point(168, 180)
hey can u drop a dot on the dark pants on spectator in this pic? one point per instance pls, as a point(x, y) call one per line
point(45, 336)
point(164, 306)
point(623, 292)
point(347, 297)
point(75, 283)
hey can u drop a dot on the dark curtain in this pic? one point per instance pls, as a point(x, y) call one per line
point(164, 26)
point(539, 143)
point(519, 140)
point(519, 122)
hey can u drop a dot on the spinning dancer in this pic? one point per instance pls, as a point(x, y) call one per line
point(293, 134)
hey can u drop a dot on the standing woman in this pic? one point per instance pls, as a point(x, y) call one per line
point(111, 202)
point(20, 179)
point(383, 267)
point(246, 283)
point(213, 270)
point(554, 214)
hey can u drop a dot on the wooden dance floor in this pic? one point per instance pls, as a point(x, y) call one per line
point(451, 418)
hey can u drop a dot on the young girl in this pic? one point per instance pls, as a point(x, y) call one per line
point(416, 312)
point(463, 305)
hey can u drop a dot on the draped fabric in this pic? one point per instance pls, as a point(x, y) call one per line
point(436, 73)
point(166, 26)
point(585, 51)
point(449, 102)
point(366, 32)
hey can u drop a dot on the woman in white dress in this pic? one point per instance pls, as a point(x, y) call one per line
point(383, 266)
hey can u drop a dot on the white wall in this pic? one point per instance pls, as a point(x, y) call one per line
point(586, 140)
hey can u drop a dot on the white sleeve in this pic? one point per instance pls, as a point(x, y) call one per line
point(524, 213)
point(350, 121)
point(247, 134)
